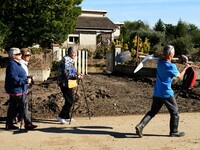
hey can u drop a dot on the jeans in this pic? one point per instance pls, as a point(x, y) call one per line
point(21, 103)
point(158, 102)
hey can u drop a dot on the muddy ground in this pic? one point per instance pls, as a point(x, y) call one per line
point(106, 95)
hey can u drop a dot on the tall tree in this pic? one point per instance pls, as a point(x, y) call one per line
point(170, 31)
point(159, 26)
point(38, 21)
point(4, 31)
point(181, 29)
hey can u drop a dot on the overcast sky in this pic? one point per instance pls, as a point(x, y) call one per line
point(149, 11)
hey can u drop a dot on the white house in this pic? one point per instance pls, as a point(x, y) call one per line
point(93, 28)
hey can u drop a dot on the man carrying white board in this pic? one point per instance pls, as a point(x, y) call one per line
point(163, 93)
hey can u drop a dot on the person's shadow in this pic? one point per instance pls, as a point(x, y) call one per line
point(100, 130)
point(92, 130)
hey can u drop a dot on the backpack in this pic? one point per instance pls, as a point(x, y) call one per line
point(189, 78)
point(59, 72)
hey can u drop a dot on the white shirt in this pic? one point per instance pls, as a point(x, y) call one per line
point(24, 65)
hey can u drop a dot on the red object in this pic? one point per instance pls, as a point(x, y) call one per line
point(189, 78)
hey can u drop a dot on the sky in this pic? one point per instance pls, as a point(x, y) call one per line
point(148, 11)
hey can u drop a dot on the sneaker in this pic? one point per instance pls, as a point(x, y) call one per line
point(62, 121)
point(70, 120)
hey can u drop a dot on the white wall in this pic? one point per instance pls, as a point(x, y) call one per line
point(87, 39)
point(93, 13)
point(39, 75)
point(117, 33)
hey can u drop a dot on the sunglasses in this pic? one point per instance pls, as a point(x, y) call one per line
point(17, 54)
point(27, 55)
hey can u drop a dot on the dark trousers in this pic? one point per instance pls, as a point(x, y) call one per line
point(157, 104)
point(69, 99)
point(21, 103)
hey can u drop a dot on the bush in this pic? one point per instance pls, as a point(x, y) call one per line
point(40, 50)
point(183, 45)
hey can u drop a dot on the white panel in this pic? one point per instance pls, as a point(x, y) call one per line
point(87, 39)
point(79, 61)
point(83, 62)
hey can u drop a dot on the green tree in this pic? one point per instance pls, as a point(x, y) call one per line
point(196, 38)
point(4, 31)
point(159, 26)
point(192, 27)
point(154, 37)
point(181, 29)
point(170, 31)
point(194, 32)
point(130, 27)
point(38, 21)
point(183, 45)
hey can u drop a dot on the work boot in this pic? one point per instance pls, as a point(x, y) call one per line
point(174, 127)
point(177, 134)
point(142, 124)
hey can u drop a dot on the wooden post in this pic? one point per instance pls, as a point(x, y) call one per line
point(137, 50)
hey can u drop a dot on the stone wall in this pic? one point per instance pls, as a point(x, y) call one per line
point(39, 75)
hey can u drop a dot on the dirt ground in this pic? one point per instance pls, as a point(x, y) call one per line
point(104, 133)
point(106, 95)
point(116, 104)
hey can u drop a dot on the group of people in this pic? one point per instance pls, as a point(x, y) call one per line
point(17, 81)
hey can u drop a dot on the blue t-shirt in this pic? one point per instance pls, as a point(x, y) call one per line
point(166, 71)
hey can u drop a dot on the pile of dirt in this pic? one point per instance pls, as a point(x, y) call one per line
point(106, 95)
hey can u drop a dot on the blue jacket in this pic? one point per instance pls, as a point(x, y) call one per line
point(16, 79)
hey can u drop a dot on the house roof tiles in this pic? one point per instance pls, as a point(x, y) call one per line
point(85, 22)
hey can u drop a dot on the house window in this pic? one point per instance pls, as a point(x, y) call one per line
point(73, 39)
